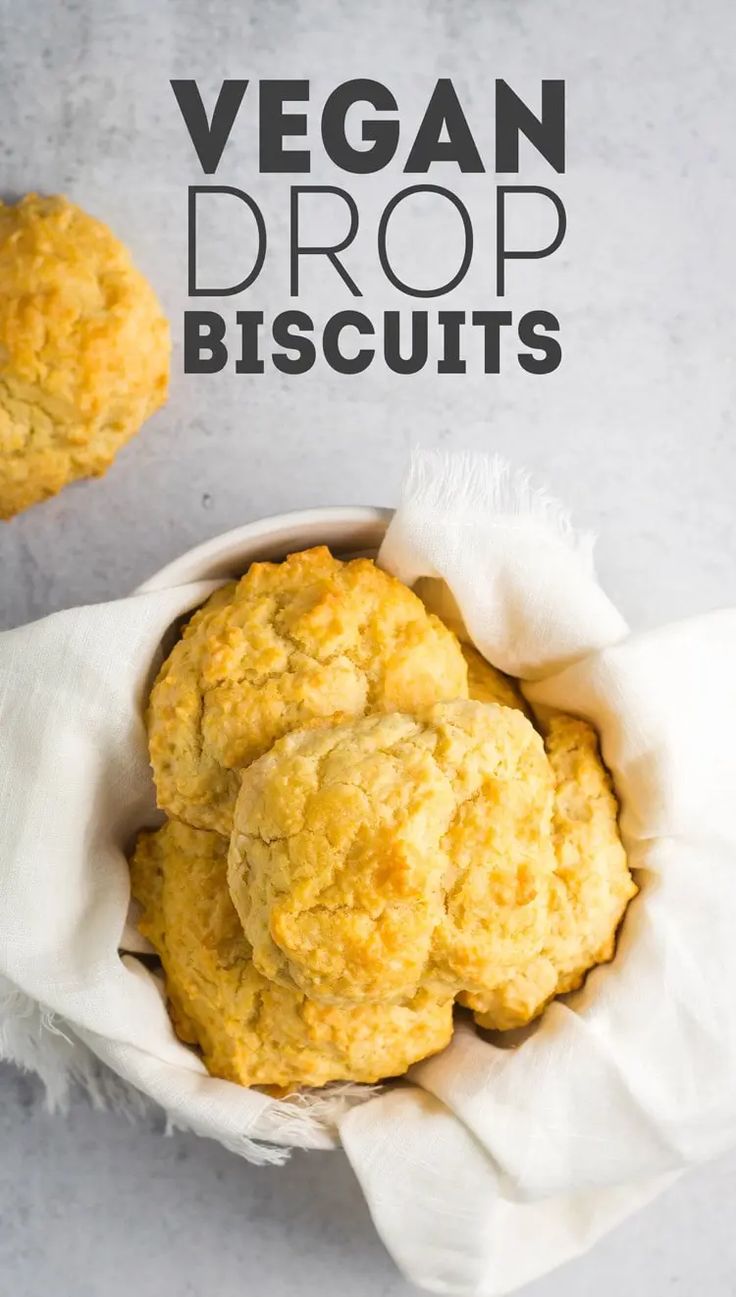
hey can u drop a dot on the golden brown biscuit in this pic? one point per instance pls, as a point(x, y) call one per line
point(486, 684)
point(297, 641)
point(438, 598)
point(591, 886)
point(249, 1030)
point(376, 857)
point(84, 349)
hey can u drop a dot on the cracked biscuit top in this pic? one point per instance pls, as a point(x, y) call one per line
point(392, 853)
point(590, 887)
point(248, 1029)
point(305, 640)
point(84, 349)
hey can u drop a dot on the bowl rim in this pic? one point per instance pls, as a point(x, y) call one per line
point(280, 525)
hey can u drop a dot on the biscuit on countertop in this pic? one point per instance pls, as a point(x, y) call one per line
point(84, 349)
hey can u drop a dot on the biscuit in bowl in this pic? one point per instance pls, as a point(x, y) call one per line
point(392, 853)
point(486, 684)
point(403, 830)
point(249, 1030)
point(306, 639)
point(84, 349)
point(590, 887)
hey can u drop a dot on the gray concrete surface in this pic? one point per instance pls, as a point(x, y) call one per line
point(635, 431)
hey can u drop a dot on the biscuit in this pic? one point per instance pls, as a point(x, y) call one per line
point(486, 684)
point(388, 854)
point(84, 349)
point(291, 643)
point(590, 888)
point(249, 1030)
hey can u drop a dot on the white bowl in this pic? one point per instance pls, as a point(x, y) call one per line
point(348, 532)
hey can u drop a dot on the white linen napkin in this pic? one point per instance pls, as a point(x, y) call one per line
point(493, 1164)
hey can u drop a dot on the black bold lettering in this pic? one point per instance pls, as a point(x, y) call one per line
point(545, 133)
point(444, 113)
point(250, 326)
point(331, 342)
point(289, 328)
point(417, 358)
point(491, 323)
point(204, 332)
point(275, 125)
point(209, 138)
point(451, 361)
point(534, 330)
point(382, 134)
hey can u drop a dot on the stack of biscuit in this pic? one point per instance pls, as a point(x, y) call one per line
point(364, 828)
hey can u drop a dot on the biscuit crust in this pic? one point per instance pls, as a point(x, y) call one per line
point(84, 349)
point(454, 852)
point(391, 853)
point(486, 684)
point(291, 643)
point(249, 1030)
point(590, 887)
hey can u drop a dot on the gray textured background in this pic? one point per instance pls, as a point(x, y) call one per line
point(635, 431)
